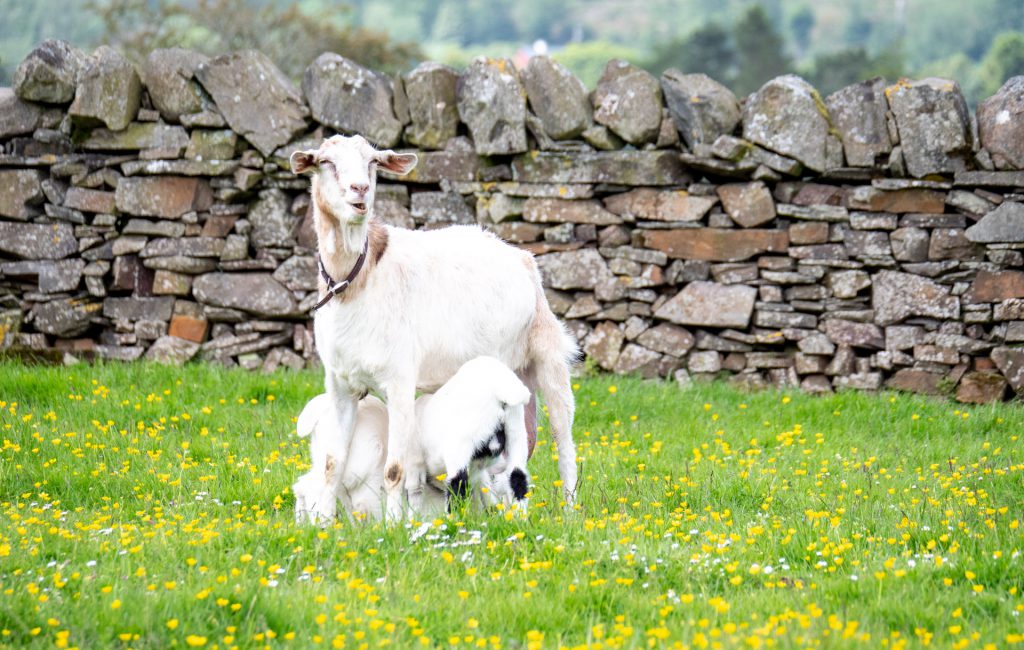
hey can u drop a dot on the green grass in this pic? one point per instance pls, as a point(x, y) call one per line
point(147, 507)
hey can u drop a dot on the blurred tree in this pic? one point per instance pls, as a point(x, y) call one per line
point(291, 37)
point(835, 70)
point(1004, 59)
point(801, 25)
point(959, 67)
point(588, 59)
point(760, 51)
point(709, 49)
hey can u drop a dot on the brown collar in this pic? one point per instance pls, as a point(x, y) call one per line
point(334, 288)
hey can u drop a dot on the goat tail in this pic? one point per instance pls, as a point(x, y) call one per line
point(311, 414)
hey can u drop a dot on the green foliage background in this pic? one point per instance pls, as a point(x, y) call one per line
point(740, 42)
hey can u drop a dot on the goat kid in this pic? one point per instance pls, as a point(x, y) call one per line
point(418, 306)
point(472, 433)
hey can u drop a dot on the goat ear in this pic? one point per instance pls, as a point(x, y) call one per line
point(303, 161)
point(399, 164)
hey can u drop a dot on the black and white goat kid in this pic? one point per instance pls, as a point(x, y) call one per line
point(471, 432)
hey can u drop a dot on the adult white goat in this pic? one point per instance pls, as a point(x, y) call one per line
point(414, 306)
point(472, 432)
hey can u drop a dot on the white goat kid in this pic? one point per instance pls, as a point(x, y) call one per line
point(472, 427)
point(417, 305)
point(359, 483)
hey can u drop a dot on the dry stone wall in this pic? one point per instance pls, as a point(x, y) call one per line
point(871, 238)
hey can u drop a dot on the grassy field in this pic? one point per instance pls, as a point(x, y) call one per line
point(146, 507)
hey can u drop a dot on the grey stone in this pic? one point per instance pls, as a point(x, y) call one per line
point(636, 358)
point(701, 108)
point(20, 191)
point(708, 361)
point(273, 224)
point(847, 284)
point(602, 138)
point(816, 343)
point(352, 99)
point(1004, 224)
point(628, 101)
point(615, 167)
point(180, 167)
point(181, 264)
point(17, 117)
point(37, 241)
point(167, 197)
point(136, 309)
point(540, 210)
point(934, 125)
point(604, 344)
point(169, 76)
point(853, 334)
point(558, 98)
point(1010, 362)
point(659, 205)
point(667, 339)
point(710, 304)
point(788, 116)
point(49, 73)
point(190, 246)
point(109, 91)
point(64, 318)
point(441, 208)
point(1001, 125)
point(209, 144)
point(580, 269)
point(868, 243)
point(153, 228)
point(896, 296)
point(492, 103)
point(969, 203)
point(748, 204)
point(255, 293)
point(258, 101)
point(171, 350)
point(433, 105)
point(909, 244)
point(859, 112)
point(51, 277)
point(952, 244)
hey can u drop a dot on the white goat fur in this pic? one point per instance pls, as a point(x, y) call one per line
point(424, 304)
point(458, 433)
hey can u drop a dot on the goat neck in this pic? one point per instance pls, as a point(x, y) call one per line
point(342, 237)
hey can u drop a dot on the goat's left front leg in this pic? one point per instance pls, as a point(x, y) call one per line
point(404, 469)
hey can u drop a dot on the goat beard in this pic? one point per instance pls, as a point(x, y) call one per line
point(339, 219)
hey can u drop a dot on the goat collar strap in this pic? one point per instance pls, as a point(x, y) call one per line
point(335, 288)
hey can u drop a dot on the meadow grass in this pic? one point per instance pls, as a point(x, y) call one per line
point(150, 507)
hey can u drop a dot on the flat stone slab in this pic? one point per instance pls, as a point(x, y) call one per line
point(616, 167)
point(660, 205)
point(710, 304)
point(167, 197)
point(715, 244)
point(896, 296)
point(579, 269)
point(1004, 224)
point(258, 101)
point(38, 241)
point(256, 293)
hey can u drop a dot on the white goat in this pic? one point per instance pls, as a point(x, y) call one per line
point(473, 426)
point(414, 306)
